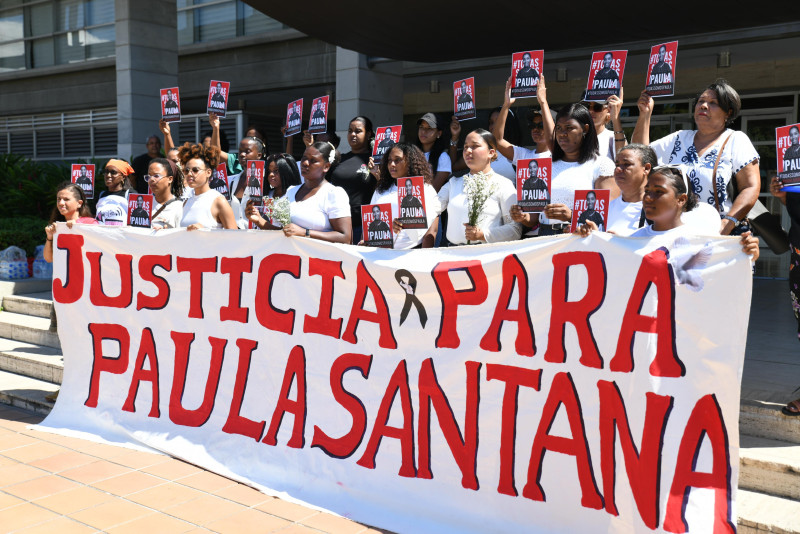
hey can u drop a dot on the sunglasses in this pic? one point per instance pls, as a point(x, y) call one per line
point(194, 170)
point(536, 125)
point(597, 107)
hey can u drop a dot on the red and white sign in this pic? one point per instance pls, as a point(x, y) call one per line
point(557, 385)
point(318, 123)
point(385, 138)
point(82, 174)
point(218, 94)
point(294, 118)
point(411, 203)
point(591, 205)
point(377, 223)
point(605, 75)
point(464, 99)
point(219, 180)
point(140, 209)
point(170, 104)
point(787, 144)
point(525, 70)
point(255, 178)
point(533, 184)
point(661, 69)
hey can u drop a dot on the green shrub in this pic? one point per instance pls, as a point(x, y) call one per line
point(23, 232)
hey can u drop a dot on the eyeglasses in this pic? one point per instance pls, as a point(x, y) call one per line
point(536, 125)
point(111, 172)
point(153, 177)
point(597, 107)
point(194, 170)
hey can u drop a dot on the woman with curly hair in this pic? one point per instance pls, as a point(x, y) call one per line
point(402, 161)
point(207, 208)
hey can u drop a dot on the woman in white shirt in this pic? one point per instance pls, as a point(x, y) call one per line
point(576, 166)
point(541, 125)
point(166, 182)
point(319, 210)
point(494, 223)
point(207, 208)
point(434, 146)
point(402, 161)
point(625, 213)
point(282, 173)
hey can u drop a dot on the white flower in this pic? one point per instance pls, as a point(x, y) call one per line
point(478, 187)
point(281, 211)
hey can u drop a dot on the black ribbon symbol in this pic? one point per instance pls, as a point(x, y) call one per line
point(409, 285)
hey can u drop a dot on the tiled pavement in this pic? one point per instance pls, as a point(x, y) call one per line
point(52, 484)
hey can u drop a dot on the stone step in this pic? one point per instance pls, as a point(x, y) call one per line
point(36, 330)
point(760, 513)
point(28, 305)
point(34, 361)
point(765, 420)
point(770, 466)
point(26, 392)
point(24, 286)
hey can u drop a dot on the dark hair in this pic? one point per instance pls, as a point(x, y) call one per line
point(224, 144)
point(589, 147)
point(209, 155)
point(678, 181)
point(334, 139)
point(440, 145)
point(287, 169)
point(367, 126)
point(261, 147)
point(512, 132)
point(83, 211)
point(177, 177)
point(727, 97)
point(643, 152)
point(325, 150)
point(416, 165)
point(261, 135)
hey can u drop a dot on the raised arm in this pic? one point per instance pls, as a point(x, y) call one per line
point(547, 117)
point(614, 107)
point(213, 120)
point(499, 130)
point(456, 163)
point(641, 134)
point(169, 144)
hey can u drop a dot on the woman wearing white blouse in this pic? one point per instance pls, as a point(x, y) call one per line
point(494, 224)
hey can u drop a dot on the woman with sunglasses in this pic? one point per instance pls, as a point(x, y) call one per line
point(112, 204)
point(609, 142)
point(712, 146)
point(166, 182)
point(207, 208)
point(540, 123)
point(281, 175)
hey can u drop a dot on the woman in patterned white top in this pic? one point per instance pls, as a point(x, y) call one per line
point(697, 152)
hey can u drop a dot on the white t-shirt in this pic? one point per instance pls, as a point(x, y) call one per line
point(495, 220)
point(504, 168)
point(443, 165)
point(703, 219)
point(409, 238)
point(316, 212)
point(605, 140)
point(520, 152)
point(624, 217)
point(112, 209)
point(678, 149)
point(571, 176)
point(170, 216)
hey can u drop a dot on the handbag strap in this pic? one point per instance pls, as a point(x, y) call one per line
point(164, 205)
point(714, 173)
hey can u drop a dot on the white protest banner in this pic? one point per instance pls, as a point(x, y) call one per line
point(547, 385)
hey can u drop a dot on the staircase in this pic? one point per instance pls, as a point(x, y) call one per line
point(31, 366)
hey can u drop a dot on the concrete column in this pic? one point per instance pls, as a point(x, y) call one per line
point(147, 60)
point(375, 92)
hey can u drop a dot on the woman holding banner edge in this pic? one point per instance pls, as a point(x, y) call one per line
point(711, 146)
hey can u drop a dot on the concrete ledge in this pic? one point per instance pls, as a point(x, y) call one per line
point(765, 420)
point(770, 466)
point(766, 514)
point(35, 330)
point(25, 285)
point(24, 392)
point(27, 305)
point(34, 361)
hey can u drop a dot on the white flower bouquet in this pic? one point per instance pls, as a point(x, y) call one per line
point(478, 187)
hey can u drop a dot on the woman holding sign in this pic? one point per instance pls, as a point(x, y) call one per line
point(282, 173)
point(398, 165)
point(166, 181)
point(713, 153)
point(207, 208)
point(112, 205)
point(492, 219)
point(541, 125)
point(352, 174)
point(71, 207)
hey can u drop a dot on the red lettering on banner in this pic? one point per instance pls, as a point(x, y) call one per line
point(514, 378)
point(514, 274)
point(323, 323)
point(346, 445)
point(235, 268)
point(147, 266)
point(236, 422)
point(577, 312)
point(705, 422)
point(268, 315)
point(655, 270)
point(295, 372)
point(71, 290)
point(103, 364)
point(177, 413)
point(381, 316)
point(97, 296)
point(147, 349)
point(196, 267)
point(452, 298)
point(398, 383)
point(464, 448)
point(562, 393)
point(643, 469)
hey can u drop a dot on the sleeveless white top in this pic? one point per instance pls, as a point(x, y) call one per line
point(197, 210)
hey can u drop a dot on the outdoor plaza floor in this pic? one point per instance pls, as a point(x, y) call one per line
point(55, 484)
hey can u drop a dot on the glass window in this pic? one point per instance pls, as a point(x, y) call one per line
point(11, 25)
point(70, 15)
point(100, 12)
point(12, 56)
point(256, 22)
point(215, 22)
point(43, 53)
point(185, 27)
point(100, 42)
point(69, 47)
point(40, 20)
point(48, 143)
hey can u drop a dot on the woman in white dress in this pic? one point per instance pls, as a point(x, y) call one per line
point(207, 208)
point(166, 182)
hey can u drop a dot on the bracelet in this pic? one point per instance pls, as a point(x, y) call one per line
point(734, 220)
point(618, 139)
point(308, 232)
point(49, 239)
